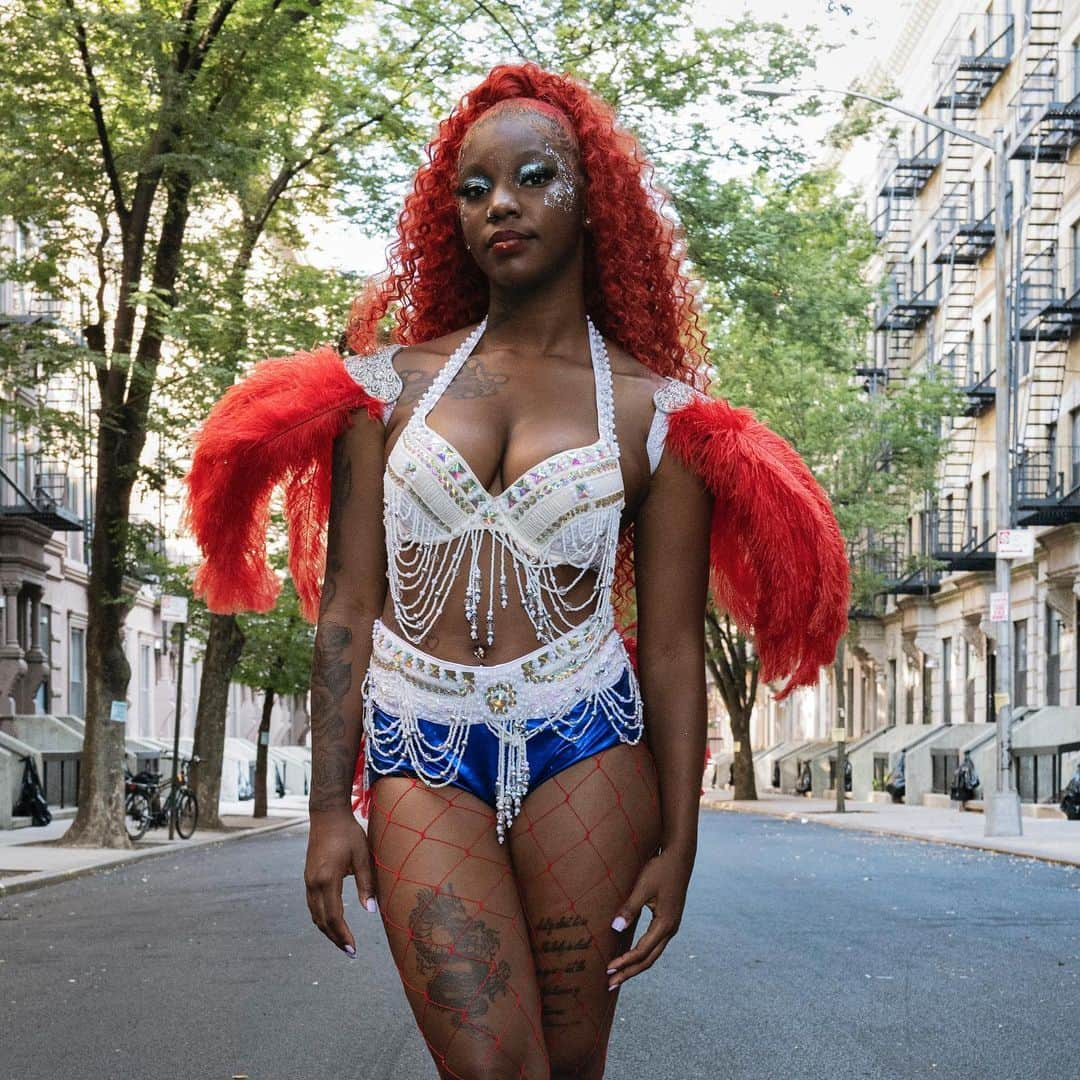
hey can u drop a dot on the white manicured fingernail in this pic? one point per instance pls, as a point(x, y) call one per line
point(619, 924)
point(372, 904)
point(350, 951)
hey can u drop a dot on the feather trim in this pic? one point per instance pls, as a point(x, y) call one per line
point(275, 427)
point(777, 558)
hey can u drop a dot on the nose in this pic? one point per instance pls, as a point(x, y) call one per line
point(503, 203)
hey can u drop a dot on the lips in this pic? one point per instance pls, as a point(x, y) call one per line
point(505, 236)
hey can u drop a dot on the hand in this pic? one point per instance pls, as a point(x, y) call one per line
point(337, 847)
point(661, 887)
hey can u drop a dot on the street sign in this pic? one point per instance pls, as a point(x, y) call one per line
point(174, 609)
point(1016, 543)
point(999, 607)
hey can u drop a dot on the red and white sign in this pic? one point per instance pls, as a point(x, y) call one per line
point(1016, 543)
point(999, 607)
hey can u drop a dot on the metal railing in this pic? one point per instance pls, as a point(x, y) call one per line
point(1047, 100)
point(977, 49)
point(904, 307)
point(1049, 474)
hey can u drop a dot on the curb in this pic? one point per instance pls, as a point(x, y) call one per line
point(788, 815)
point(42, 878)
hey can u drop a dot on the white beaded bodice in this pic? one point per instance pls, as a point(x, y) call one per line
point(441, 521)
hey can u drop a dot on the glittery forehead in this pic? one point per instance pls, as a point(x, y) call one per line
point(532, 109)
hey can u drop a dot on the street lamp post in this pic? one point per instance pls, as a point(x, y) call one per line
point(1002, 816)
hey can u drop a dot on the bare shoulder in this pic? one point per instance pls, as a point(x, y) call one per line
point(634, 385)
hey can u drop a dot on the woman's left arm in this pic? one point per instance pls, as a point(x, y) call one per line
point(671, 561)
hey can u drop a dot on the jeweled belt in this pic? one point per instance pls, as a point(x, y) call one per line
point(545, 682)
point(544, 685)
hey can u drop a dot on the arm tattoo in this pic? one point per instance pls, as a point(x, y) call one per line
point(340, 490)
point(331, 678)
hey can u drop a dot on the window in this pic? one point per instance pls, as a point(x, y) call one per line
point(1038, 775)
point(849, 703)
point(1074, 449)
point(1074, 247)
point(43, 697)
point(1075, 66)
point(969, 683)
point(77, 672)
point(146, 725)
point(75, 538)
point(970, 534)
point(1053, 656)
point(927, 692)
point(893, 690)
point(987, 187)
point(988, 345)
point(984, 506)
point(946, 680)
point(1020, 661)
point(943, 766)
point(909, 693)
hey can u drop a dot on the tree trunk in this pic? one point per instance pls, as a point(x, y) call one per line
point(99, 821)
point(745, 784)
point(735, 675)
point(224, 645)
point(262, 753)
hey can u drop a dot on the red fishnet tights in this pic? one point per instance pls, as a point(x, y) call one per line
point(503, 949)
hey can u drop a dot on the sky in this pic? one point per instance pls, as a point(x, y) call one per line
point(866, 35)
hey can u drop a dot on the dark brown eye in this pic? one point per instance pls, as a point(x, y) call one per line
point(472, 188)
point(535, 174)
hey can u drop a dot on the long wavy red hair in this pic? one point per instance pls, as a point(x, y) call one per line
point(635, 288)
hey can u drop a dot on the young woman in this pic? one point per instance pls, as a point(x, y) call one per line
point(521, 494)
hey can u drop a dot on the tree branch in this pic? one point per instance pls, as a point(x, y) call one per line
point(105, 143)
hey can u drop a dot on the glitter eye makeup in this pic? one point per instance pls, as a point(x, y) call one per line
point(473, 188)
point(535, 173)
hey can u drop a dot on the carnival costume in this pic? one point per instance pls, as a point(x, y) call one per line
point(776, 556)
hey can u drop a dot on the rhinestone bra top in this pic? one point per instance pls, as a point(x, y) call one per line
point(563, 512)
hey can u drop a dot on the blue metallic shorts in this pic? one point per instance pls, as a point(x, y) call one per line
point(548, 751)
point(497, 731)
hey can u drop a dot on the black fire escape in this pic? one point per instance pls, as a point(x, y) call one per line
point(1045, 126)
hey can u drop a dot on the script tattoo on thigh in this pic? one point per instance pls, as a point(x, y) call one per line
point(459, 954)
point(560, 942)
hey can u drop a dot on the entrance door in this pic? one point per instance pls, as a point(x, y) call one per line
point(991, 669)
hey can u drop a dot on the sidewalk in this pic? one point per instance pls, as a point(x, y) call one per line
point(1053, 841)
point(29, 860)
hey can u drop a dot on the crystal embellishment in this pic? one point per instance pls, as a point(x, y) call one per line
point(376, 374)
point(675, 395)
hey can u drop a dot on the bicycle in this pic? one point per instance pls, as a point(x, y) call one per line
point(144, 808)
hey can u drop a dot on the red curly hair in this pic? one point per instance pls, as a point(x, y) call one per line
point(635, 289)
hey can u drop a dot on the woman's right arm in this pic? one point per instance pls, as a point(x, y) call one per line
point(353, 593)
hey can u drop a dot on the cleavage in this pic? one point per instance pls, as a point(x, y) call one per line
point(536, 457)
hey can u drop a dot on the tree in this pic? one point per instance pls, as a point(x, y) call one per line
point(276, 660)
point(160, 150)
point(784, 265)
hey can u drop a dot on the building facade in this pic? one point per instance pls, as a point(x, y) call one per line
point(920, 675)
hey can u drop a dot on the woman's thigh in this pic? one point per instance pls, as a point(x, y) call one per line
point(457, 932)
point(578, 845)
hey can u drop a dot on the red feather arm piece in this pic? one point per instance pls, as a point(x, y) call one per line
point(777, 558)
point(275, 427)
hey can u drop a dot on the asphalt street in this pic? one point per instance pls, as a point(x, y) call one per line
point(805, 952)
